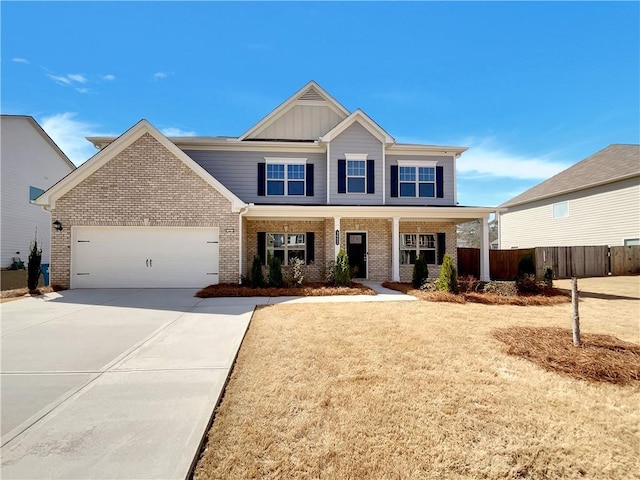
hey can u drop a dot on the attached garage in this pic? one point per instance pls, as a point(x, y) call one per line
point(144, 257)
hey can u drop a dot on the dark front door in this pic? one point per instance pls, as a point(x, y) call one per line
point(357, 252)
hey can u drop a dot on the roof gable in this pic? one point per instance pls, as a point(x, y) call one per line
point(48, 198)
point(306, 115)
point(363, 119)
point(611, 164)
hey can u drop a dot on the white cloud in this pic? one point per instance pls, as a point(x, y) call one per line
point(59, 79)
point(19, 60)
point(69, 134)
point(177, 132)
point(159, 75)
point(82, 90)
point(108, 78)
point(77, 77)
point(486, 158)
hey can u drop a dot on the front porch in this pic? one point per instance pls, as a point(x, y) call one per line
point(382, 242)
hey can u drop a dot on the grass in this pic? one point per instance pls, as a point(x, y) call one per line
point(305, 290)
point(554, 297)
point(419, 390)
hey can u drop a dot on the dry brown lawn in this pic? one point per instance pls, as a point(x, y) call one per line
point(420, 390)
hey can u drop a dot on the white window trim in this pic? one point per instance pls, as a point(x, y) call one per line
point(418, 164)
point(356, 156)
point(353, 157)
point(285, 246)
point(417, 248)
point(286, 162)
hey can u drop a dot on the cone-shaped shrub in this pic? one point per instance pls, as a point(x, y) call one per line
point(275, 272)
point(448, 278)
point(256, 277)
point(342, 272)
point(33, 269)
point(420, 271)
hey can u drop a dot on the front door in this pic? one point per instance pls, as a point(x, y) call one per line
point(357, 252)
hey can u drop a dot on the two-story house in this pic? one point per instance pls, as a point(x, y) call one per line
point(309, 178)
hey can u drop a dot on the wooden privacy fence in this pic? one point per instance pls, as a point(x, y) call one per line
point(566, 262)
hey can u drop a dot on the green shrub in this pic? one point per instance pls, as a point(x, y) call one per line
point(527, 265)
point(448, 278)
point(256, 277)
point(275, 272)
point(548, 276)
point(342, 272)
point(33, 268)
point(297, 271)
point(526, 284)
point(420, 271)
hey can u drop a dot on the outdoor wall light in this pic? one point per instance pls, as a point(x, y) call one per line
point(57, 225)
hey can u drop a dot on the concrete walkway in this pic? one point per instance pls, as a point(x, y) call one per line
point(119, 384)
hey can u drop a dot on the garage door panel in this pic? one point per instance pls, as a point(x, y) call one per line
point(133, 257)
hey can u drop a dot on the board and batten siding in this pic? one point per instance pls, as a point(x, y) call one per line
point(238, 171)
point(448, 180)
point(302, 122)
point(355, 139)
point(603, 215)
point(27, 160)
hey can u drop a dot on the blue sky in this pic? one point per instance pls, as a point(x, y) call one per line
point(530, 88)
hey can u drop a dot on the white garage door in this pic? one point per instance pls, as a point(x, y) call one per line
point(144, 257)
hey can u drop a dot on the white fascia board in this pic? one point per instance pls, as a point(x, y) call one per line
point(417, 163)
point(454, 214)
point(285, 160)
point(432, 150)
point(48, 198)
point(289, 103)
point(363, 119)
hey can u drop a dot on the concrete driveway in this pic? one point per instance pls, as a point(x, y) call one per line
point(113, 383)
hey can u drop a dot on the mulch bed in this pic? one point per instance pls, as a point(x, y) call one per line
point(600, 358)
point(553, 297)
point(310, 289)
point(21, 292)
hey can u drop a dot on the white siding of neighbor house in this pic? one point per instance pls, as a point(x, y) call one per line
point(603, 215)
point(302, 122)
point(448, 181)
point(27, 159)
point(355, 139)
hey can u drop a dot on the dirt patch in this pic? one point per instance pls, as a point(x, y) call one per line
point(553, 297)
point(600, 358)
point(306, 290)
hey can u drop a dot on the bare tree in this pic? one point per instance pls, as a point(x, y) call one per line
point(576, 315)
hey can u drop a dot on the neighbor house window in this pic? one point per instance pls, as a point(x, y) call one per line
point(414, 244)
point(631, 241)
point(560, 209)
point(417, 181)
point(286, 246)
point(356, 176)
point(34, 192)
point(286, 177)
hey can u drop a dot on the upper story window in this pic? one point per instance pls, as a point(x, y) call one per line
point(34, 192)
point(285, 176)
point(417, 179)
point(356, 176)
point(560, 209)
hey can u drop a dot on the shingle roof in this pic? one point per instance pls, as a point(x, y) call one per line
point(611, 164)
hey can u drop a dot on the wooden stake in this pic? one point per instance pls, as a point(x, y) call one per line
point(576, 315)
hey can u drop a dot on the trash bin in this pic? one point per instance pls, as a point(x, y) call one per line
point(44, 268)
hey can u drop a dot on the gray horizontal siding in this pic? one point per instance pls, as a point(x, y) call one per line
point(238, 171)
point(356, 139)
point(448, 181)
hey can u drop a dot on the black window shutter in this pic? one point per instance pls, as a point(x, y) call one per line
point(439, 182)
point(310, 180)
point(371, 184)
point(394, 180)
point(342, 176)
point(311, 248)
point(262, 247)
point(442, 247)
point(261, 179)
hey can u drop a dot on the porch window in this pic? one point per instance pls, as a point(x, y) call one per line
point(286, 178)
point(287, 246)
point(414, 244)
point(417, 181)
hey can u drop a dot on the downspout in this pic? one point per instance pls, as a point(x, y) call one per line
point(243, 210)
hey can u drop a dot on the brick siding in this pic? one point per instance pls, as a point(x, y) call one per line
point(144, 185)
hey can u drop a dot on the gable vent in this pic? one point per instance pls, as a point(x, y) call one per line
point(311, 94)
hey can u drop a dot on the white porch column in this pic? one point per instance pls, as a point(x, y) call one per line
point(484, 249)
point(395, 249)
point(336, 237)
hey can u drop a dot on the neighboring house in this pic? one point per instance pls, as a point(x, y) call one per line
point(594, 202)
point(30, 163)
point(309, 178)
